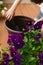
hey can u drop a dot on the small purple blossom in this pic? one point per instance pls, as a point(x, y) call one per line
point(26, 28)
point(16, 40)
point(13, 37)
point(40, 56)
point(41, 21)
point(15, 56)
point(5, 59)
point(19, 44)
point(40, 63)
point(4, 63)
point(13, 51)
point(16, 59)
point(31, 28)
point(29, 23)
point(38, 25)
point(10, 41)
point(37, 37)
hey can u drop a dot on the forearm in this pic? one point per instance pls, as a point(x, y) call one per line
point(15, 4)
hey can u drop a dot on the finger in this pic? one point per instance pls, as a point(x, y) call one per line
point(10, 18)
point(35, 23)
point(40, 19)
point(6, 14)
point(7, 17)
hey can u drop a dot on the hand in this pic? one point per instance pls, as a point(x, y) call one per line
point(38, 20)
point(10, 14)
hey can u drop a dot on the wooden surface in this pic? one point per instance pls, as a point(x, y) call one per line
point(29, 10)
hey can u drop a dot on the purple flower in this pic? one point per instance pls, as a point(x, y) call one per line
point(16, 59)
point(38, 25)
point(29, 23)
point(40, 63)
point(40, 56)
point(41, 21)
point(15, 56)
point(13, 37)
point(26, 28)
point(5, 59)
point(4, 63)
point(13, 51)
point(37, 37)
point(16, 40)
point(31, 28)
point(10, 41)
point(19, 44)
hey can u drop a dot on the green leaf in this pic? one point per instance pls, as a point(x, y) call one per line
point(33, 48)
point(20, 51)
point(11, 63)
point(25, 39)
point(38, 48)
point(31, 59)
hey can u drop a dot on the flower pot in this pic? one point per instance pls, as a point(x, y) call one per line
point(17, 23)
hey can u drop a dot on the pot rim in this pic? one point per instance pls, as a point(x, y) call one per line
point(11, 29)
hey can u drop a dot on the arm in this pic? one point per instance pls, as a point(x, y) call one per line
point(15, 4)
point(38, 20)
point(10, 13)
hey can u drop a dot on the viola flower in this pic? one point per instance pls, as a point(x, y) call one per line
point(5, 59)
point(15, 56)
point(16, 59)
point(41, 21)
point(38, 25)
point(4, 63)
point(16, 40)
point(13, 51)
point(40, 56)
point(10, 41)
point(13, 37)
point(19, 44)
point(40, 64)
point(31, 28)
point(29, 23)
point(37, 37)
point(26, 28)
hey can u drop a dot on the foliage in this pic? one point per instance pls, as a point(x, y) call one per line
point(24, 49)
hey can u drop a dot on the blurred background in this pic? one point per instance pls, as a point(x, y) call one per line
point(24, 1)
point(11, 1)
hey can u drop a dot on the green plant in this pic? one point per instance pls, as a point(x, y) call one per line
point(24, 49)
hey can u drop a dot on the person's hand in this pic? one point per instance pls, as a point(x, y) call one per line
point(38, 20)
point(10, 14)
